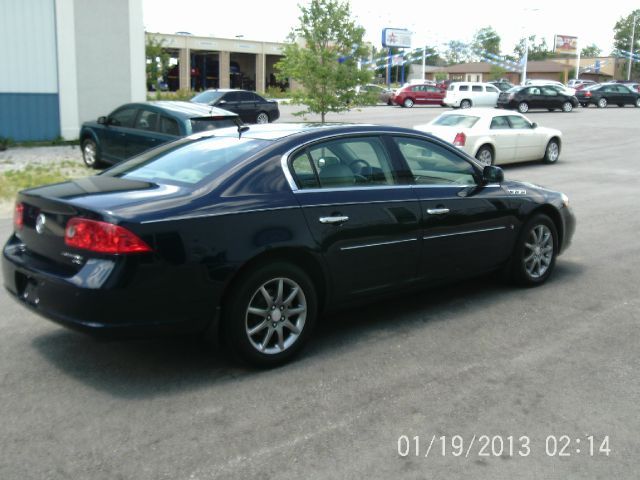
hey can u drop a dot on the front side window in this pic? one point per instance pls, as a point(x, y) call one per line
point(344, 163)
point(549, 92)
point(492, 89)
point(123, 117)
point(519, 122)
point(431, 164)
point(464, 88)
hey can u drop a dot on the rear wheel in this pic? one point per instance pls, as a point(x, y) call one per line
point(485, 155)
point(270, 313)
point(408, 102)
point(262, 117)
point(637, 104)
point(90, 153)
point(535, 254)
point(523, 107)
point(602, 103)
point(567, 107)
point(465, 104)
point(552, 152)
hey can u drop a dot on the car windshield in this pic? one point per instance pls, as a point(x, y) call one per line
point(192, 162)
point(207, 97)
point(465, 121)
point(211, 123)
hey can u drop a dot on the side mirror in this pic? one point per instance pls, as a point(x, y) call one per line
point(102, 120)
point(492, 174)
point(534, 125)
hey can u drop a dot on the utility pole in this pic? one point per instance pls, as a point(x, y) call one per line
point(525, 59)
point(633, 34)
point(424, 61)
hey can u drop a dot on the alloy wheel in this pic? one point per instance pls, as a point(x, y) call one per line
point(262, 118)
point(276, 316)
point(485, 157)
point(538, 251)
point(523, 107)
point(89, 153)
point(567, 107)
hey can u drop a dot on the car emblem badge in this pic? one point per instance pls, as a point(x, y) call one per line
point(40, 222)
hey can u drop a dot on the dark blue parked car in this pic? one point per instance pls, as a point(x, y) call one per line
point(135, 127)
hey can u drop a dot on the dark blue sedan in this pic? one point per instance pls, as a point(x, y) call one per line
point(136, 127)
point(250, 233)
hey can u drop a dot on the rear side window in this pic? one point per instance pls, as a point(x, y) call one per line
point(499, 123)
point(476, 88)
point(169, 126)
point(147, 120)
point(246, 96)
point(204, 124)
point(231, 97)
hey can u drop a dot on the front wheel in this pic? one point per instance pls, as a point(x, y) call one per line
point(535, 253)
point(408, 103)
point(90, 153)
point(567, 107)
point(262, 117)
point(552, 152)
point(270, 313)
point(637, 102)
point(523, 107)
point(602, 103)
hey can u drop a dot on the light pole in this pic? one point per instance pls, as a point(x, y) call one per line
point(633, 33)
point(525, 59)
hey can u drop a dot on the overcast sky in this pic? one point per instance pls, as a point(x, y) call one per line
point(434, 22)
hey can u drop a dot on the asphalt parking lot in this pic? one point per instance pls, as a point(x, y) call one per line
point(475, 359)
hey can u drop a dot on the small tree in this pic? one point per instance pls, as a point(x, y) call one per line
point(497, 72)
point(326, 61)
point(487, 39)
point(590, 51)
point(157, 62)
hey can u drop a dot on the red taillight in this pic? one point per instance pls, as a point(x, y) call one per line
point(460, 140)
point(18, 216)
point(102, 237)
point(587, 94)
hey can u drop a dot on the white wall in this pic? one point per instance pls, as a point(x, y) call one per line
point(28, 40)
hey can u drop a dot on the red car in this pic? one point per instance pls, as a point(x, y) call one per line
point(422, 94)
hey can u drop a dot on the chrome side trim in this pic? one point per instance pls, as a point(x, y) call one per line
point(379, 244)
point(220, 214)
point(467, 232)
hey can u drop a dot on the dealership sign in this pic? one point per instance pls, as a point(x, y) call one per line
point(396, 37)
point(565, 44)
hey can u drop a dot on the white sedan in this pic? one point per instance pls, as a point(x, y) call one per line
point(495, 136)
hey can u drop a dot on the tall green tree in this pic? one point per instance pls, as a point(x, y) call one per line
point(157, 59)
point(590, 51)
point(456, 52)
point(537, 51)
point(322, 55)
point(487, 39)
point(622, 37)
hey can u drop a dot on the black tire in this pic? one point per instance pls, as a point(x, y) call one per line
point(236, 318)
point(90, 154)
point(485, 153)
point(524, 261)
point(465, 104)
point(602, 103)
point(408, 103)
point(567, 107)
point(552, 151)
point(523, 107)
point(262, 117)
point(585, 105)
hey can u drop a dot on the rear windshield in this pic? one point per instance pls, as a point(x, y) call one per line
point(190, 163)
point(465, 121)
point(207, 97)
point(204, 124)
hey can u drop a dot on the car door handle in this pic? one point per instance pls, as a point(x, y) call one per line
point(437, 211)
point(335, 220)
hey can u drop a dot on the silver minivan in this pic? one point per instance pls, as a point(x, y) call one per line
point(471, 94)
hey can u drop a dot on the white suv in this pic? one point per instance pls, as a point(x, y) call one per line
point(471, 94)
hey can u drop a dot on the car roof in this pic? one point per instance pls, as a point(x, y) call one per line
point(481, 112)
point(185, 110)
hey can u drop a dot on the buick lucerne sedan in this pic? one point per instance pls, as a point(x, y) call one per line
point(494, 136)
point(249, 234)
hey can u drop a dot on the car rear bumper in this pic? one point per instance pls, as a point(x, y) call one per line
point(103, 297)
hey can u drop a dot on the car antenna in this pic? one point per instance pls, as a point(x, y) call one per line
point(241, 129)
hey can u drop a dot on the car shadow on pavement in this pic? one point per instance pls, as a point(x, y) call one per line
point(164, 366)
